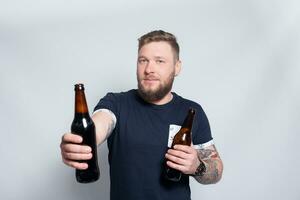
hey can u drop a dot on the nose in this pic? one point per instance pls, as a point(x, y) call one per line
point(149, 67)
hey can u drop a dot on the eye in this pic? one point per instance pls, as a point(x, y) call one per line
point(160, 61)
point(142, 60)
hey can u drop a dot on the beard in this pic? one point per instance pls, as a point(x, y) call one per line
point(151, 95)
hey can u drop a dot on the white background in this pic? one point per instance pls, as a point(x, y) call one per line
point(240, 62)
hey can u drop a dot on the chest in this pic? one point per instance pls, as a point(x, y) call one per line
point(144, 129)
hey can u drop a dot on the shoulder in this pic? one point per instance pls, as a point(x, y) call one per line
point(121, 95)
point(200, 116)
point(201, 128)
point(189, 103)
point(113, 100)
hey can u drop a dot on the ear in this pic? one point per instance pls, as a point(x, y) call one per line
point(177, 67)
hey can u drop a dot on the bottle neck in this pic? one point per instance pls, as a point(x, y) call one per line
point(188, 121)
point(80, 102)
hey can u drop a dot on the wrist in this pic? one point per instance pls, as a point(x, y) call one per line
point(201, 169)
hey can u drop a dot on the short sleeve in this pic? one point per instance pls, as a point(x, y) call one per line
point(201, 130)
point(110, 102)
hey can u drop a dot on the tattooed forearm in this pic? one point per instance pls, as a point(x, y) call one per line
point(213, 163)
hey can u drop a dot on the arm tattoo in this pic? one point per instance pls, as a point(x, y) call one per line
point(213, 163)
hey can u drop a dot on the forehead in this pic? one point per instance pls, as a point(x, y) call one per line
point(155, 49)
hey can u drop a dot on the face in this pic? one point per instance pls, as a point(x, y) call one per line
point(156, 69)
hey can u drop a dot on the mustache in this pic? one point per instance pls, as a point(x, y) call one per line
point(150, 77)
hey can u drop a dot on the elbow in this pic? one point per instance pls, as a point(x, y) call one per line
point(210, 181)
point(218, 179)
point(213, 176)
point(219, 172)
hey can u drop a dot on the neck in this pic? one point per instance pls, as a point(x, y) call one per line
point(166, 99)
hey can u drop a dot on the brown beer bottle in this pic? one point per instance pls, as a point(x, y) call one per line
point(183, 137)
point(84, 126)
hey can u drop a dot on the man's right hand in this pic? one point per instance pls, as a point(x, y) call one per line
point(72, 151)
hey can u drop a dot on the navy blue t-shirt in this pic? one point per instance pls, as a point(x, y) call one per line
point(138, 144)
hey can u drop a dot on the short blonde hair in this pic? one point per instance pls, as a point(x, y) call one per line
point(158, 36)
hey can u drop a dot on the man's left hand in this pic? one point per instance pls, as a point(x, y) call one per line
point(183, 158)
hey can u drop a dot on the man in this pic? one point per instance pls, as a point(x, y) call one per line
point(138, 125)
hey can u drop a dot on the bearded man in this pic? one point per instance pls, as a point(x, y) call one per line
point(138, 126)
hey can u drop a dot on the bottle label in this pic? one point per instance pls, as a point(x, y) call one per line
point(173, 129)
